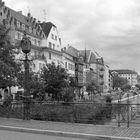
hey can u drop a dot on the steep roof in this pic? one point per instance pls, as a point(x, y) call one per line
point(124, 71)
point(25, 20)
point(72, 51)
point(92, 58)
point(46, 26)
point(85, 52)
point(19, 17)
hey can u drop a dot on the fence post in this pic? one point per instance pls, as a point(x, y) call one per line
point(128, 113)
point(119, 113)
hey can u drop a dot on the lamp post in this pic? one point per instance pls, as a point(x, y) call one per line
point(26, 48)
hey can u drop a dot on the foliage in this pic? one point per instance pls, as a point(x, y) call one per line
point(138, 78)
point(72, 82)
point(92, 87)
point(108, 99)
point(126, 87)
point(68, 94)
point(79, 113)
point(36, 85)
point(8, 66)
point(55, 80)
point(118, 82)
point(138, 86)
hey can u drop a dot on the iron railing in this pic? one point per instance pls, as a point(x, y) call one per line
point(76, 112)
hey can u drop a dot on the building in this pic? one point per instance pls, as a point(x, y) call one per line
point(46, 47)
point(68, 62)
point(110, 81)
point(79, 68)
point(52, 40)
point(106, 87)
point(130, 75)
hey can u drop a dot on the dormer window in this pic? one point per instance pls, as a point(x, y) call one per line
point(18, 24)
point(55, 37)
point(23, 26)
point(52, 36)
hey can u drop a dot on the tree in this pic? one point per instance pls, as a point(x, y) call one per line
point(92, 87)
point(8, 65)
point(138, 78)
point(36, 84)
point(55, 80)
point(126, 87)
point(118, 82)
point(138, 86)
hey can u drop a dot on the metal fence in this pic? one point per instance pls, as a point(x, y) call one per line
point(79, 112)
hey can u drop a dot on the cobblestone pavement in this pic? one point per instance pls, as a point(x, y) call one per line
point(132, 132)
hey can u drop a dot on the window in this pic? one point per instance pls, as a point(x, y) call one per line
point(35, 53)
point(34, 66)
point(66, 65)
point(52, 36)
point(23, 26)
point(18, 36)
point(50, 45)
point(49, 55)
point(30, 29)
point(35, 41)
point(54, 46)
point(18, 24)
point(55, 37)
point(69, 66)
point(39, 53)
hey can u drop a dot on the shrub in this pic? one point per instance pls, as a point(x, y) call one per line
point(79, 113)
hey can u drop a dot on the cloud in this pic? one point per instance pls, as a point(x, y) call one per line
point(111, 27)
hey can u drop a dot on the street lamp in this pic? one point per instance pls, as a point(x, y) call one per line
point(26, 48)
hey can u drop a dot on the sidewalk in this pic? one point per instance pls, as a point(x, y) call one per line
point(80, 129)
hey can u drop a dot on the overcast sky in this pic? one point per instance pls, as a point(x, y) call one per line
point(110, 27)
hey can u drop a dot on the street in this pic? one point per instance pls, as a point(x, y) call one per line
point(13, 135)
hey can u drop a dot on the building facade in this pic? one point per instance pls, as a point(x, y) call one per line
point(130, 75)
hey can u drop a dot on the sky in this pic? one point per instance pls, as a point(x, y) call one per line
point(109, 27)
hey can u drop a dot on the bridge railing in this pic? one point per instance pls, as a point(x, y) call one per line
point(76, 112)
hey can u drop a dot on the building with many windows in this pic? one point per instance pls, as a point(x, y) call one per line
point(130, 75)
point(46, 47)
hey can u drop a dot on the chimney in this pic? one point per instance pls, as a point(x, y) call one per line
point(3, 4)
point(29, 15)
point(64, 49)
point(34, 21)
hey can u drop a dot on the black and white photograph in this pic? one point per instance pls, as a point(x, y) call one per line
point(70, 70)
